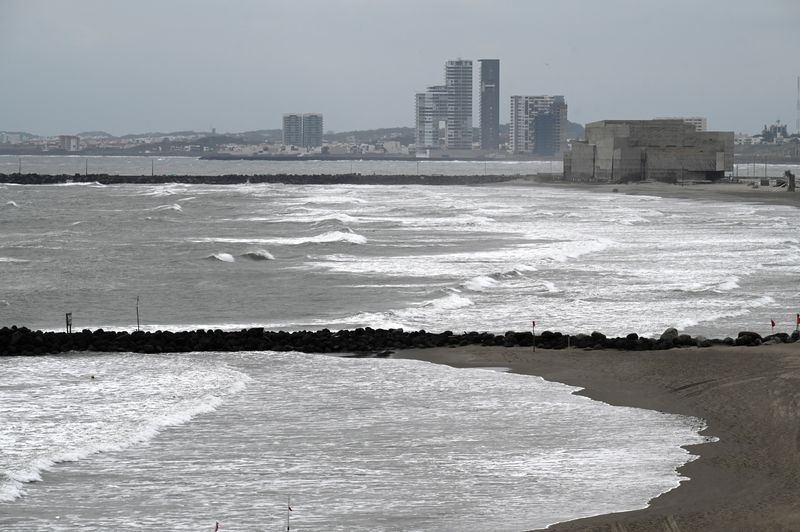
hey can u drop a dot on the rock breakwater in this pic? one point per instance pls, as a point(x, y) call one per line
point(236, 179)
point(357, 342)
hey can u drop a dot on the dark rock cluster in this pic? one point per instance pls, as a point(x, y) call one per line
point(233, 179)
point(358, 342)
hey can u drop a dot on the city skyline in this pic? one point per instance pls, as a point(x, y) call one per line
point(149, 66)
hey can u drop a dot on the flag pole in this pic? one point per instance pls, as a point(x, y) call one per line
point(288, 510)
point(533, 330)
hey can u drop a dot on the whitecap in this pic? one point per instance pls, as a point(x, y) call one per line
point(332, 236)
point(174, 207)
point(259, 254)
point(450, 301)
point(223, 257)
point(731, 283)
point(11, 203)
point(480, 283)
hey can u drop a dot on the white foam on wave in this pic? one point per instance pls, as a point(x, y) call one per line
point(222, 257)
point(731, 283)
point(451, 301)
point(324, 200)
point(259, 254)
point(132, 400)
point(11, 203)
point(740, 308)
point(480, 283)
point(332, 236)
point(12, 259)
point(174, 207)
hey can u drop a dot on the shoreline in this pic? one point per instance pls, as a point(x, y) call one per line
point(727, 192)
point(747, 480)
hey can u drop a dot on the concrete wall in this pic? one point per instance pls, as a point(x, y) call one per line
point(663, 150)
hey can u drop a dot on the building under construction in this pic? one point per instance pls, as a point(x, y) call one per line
point(618, 151)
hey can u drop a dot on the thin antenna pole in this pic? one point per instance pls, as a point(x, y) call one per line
point(20, 166)
point(86, 171)
point(137, 313)
point(152, 168)
point(288, 510)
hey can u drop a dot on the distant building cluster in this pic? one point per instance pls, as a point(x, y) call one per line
point(538, 124)
point(302, 130)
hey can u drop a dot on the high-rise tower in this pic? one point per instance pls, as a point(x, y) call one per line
point(458, 80)
point(538, 125)
point(431, 117)
point(490, 104)
point(292, 129)
point(312, 130)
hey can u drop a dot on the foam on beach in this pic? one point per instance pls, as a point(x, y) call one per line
point(114, 404)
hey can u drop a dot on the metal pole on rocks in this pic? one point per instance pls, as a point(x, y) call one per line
point(137, 313)
point(533, 330)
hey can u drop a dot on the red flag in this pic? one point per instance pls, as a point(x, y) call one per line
point(798, 319)
point(773, 322)
point(290, 508)
point(216, 526)
point(533, 323)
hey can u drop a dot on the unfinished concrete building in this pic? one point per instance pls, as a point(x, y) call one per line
point(618, 151)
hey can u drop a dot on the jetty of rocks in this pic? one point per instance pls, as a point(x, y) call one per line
point(365, 341)
point(238, 179)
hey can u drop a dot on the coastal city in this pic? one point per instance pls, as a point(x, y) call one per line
point(359, 266)
point(444, 129)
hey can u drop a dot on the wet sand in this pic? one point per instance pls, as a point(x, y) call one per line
point(749, 480)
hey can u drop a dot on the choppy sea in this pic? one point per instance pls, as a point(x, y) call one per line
point(181, 441)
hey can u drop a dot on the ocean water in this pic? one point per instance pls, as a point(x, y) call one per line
point(180, 441)
point(177, 442)
point(438, 258)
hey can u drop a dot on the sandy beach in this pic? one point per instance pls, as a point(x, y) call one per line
point(749, 396)
point(741, 192)
point(749, 480)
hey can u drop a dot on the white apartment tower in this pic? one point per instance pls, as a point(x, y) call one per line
point(458, 81)
point(431, 117)
point(312, 130)
point(538, 125)
point(292, 129)
point(302, 130)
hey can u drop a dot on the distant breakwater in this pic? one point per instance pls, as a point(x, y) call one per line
point(236, 179)
point(363, 342)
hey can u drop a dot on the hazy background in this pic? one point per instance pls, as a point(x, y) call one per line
point(154, 65)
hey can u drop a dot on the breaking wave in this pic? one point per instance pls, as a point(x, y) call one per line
point(174, 207)
point(222, 257)
point(259, 254)
point(332, 236)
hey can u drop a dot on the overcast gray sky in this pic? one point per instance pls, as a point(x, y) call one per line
point(165, 65)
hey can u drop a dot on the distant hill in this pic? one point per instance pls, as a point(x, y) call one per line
point(575, 131)
point(95, 135)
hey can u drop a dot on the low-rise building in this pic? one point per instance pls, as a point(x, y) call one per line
point(661, 150)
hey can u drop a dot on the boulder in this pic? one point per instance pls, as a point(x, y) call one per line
point(669, 334)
